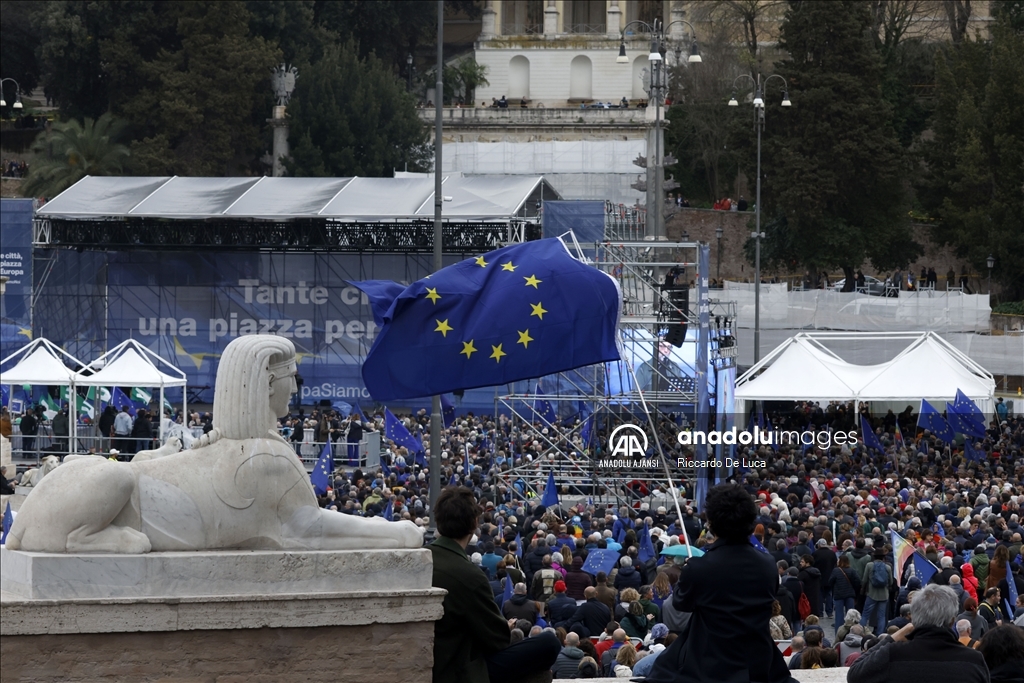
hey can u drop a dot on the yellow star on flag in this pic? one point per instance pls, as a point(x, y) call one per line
point(443, 327)
point(508, 266)
point(538, 310)
point(532, 281)
point(468, 349)
point(525, 338)
point(497, 353)
point(480, 262)
point(432, 295)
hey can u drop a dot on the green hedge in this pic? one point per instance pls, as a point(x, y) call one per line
point(1010, 308)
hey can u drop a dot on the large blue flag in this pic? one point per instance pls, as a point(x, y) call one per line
point(119, 400)
point(969, 452)
point(396, 431)
point(550, 498)
point(924, 569)
point(545, 411)
point(964, 424)
point(870, 438)
point(600, 560)
point(322, 470)
point(932, 420)
point(522, 311)
point(758, 545)
point(506, 594)
point(389, 511)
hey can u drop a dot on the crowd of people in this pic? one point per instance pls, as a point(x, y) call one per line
point(825, 519)
point(12, 168)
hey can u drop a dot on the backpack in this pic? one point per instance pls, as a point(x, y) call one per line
point(804, 606)
point(879, 574)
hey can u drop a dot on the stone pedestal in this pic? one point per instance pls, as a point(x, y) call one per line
point(219, 616)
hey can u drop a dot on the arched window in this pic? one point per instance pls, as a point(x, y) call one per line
point(640, 63)
point(519, 77)
point(581, 78)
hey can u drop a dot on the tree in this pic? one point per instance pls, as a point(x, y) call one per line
point(832, 165)
point(352, 116)
point(18, 48)
point(72, 150)
point(958, 12)
point(751, 15)
point(199, 101)
point(974, 164)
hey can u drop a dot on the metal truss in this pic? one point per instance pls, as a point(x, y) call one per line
point(304, 235)
point(640, 268)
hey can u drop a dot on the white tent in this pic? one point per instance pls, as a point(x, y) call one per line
point(43, 362)
point(804, 368)
point(130, 364)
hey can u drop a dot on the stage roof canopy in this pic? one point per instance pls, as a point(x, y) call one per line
point(469, 198)
point(804, 368)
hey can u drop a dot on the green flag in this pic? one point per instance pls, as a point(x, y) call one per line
point(85, 405)
point(104, 394)
point(140, 395)
point(50, 407)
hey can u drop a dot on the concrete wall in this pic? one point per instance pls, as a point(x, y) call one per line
point(375, 653)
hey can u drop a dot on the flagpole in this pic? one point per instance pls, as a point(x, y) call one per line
point(661, 453)
point(435, 414)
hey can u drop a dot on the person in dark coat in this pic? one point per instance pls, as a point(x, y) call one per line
point(577, 580)
point(471, 639)
point(825, 562)
point(925, 650)
point(627, 576)
point(561, 607)
point(1003, 650)
point(787, 605)
point(106, 426)
point(520, 606)
point(845, 585)
point(810, 577)
point(591, 617)
point(533, 561)
point(730, 592)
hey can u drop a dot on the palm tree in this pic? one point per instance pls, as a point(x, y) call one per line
point(72, 150)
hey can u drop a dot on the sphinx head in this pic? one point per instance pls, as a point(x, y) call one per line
point(255, 382)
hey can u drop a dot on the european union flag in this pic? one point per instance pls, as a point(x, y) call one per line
point(523, 311)
point(600, 560)
point(447, 411)
point(931, 419)
point(646, 551)
point(519, 546)
point(550, 498)
point(969, 452)
point(396, 431)
point(119, 400)
point(389, 511)
point(964, 424)
point(322, 470)
point(506, 594)
point(965, 406)
point(924, 569)
point(870, 438)
point(586, 431)
point(544, 409)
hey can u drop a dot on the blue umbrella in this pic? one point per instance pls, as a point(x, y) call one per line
point(682, 550)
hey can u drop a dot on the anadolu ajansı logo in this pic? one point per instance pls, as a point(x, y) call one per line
point(627, 447)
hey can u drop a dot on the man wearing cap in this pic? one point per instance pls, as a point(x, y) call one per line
point(560, 607)
point(658, 635)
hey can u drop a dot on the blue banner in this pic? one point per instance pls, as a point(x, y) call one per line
point(703, 337)
point(16, 265)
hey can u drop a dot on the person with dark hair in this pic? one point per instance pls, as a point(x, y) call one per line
point(471, 639)
point(925, 650)
point(730, 592)
point(1003, 650)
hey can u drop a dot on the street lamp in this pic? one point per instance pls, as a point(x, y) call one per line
point(757, 235)
point(17, 94)
point(991, 263)
point(718, 269)
point(657, 29)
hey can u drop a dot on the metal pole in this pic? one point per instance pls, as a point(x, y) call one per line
point(759, 112)
point(435, 410)
point(659, 197)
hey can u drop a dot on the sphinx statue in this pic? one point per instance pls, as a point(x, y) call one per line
point(241, 486)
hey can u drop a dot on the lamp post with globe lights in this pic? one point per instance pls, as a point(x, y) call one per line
point(17, 94)
point(758, 102)
point(991, 263)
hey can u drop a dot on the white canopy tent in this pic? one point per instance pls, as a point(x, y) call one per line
point(43, 362)
point(130, 364)
point(804, 368)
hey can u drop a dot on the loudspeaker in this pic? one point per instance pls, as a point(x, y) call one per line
point(679, 298)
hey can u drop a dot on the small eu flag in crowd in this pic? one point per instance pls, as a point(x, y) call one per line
point(964, 423)
point(870, 438)
point(396, 431)
point(930, 419)
point(523, 311)
point(322, 470)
